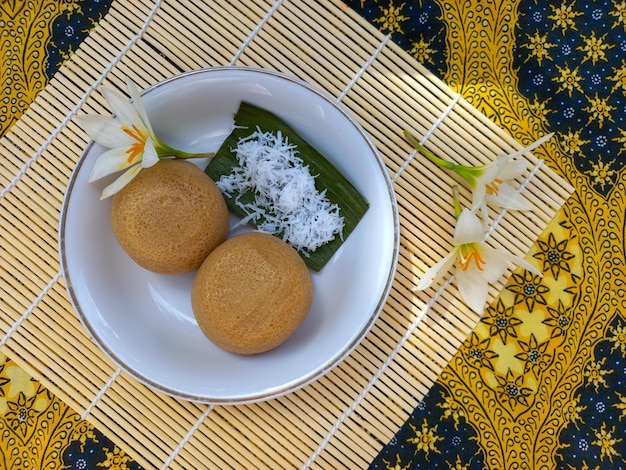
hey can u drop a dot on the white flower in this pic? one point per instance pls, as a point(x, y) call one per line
point(476, 265)
point(489, 183)
point(129, 136)
point(494, 185)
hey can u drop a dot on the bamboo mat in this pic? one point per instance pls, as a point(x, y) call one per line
point(343, 419)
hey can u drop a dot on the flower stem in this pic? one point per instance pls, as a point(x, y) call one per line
point(181, 154)
point(164, 150)
point(457, 204)
point(421, 149)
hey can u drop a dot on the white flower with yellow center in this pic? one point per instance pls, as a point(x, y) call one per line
point(476, 265)
point(490, 183)
point(129, 136)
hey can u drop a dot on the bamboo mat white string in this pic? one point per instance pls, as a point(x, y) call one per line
point(364, 68)
point(186, 438)
point(101, 393)
point(30, 309)
point(255, 31)
point(44, 146)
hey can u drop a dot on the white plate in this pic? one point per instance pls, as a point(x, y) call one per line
point(144, 322)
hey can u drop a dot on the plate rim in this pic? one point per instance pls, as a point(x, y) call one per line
point(287, 387)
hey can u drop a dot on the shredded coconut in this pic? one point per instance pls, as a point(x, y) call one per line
point(286, 200)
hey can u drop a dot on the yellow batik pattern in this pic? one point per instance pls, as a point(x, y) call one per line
point(25, 30)
point(35, 426)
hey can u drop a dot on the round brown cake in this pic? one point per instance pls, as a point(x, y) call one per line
point(170, 217)
point(251, 293)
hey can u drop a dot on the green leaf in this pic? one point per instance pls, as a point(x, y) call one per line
point(339, 190)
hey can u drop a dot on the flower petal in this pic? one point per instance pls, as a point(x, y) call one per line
point(473, 288)
point(509, 198)
point(150, 156)
point(437, 271)
point(532, 146)
point(479, 189)
point(478, 196)
point(137, 102)
point(120, 182)
point(110, 162)
point(469, 229)
point(105, 130)
point(496, 263)
point(510, 168)
point(520, 262)
point(123, 109)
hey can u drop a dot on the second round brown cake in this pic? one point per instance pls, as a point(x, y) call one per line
point(251, 293)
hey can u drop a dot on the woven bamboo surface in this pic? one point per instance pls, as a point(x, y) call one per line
point(343, 419)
